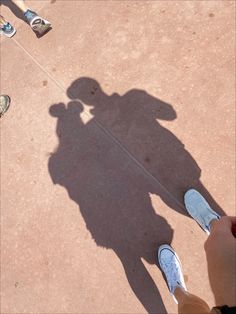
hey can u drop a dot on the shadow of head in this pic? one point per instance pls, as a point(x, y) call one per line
point(59, 110)
point(90, 92)
point(85, 89)
point(68, 118)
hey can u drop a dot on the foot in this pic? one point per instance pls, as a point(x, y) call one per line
point(199, 209)
point(39, 25)
point(7, 29)
point(4, 104)
point(171, 267)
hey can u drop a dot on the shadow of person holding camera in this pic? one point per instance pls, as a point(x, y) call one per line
point(111, 190)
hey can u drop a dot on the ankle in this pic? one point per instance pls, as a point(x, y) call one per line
point(213, 223)
point(180, 294)
point(29, 15)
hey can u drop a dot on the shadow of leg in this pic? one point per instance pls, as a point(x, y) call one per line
point(143, 285)
point(205, 193)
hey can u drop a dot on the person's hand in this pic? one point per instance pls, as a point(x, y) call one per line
point(220, 250)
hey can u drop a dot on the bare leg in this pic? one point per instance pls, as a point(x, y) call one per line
point(189, 303)
point(21, 5)
point(220, 250)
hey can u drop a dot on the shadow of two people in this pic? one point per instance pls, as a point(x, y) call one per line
point(110, 188)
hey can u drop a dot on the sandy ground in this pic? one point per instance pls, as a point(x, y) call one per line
point(115, 112)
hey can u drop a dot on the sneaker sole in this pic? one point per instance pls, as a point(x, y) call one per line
point(192, 200)
point(8, 35)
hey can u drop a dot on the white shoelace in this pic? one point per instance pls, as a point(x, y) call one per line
point(172, 271)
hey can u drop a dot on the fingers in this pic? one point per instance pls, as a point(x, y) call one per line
point(221, 230)
point(231, 219)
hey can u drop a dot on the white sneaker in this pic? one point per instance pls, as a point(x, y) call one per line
point(8, 30)
point(199, 209)
point(171, 267)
